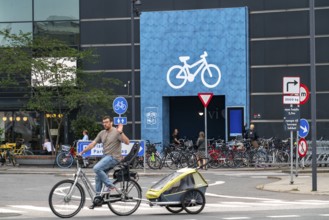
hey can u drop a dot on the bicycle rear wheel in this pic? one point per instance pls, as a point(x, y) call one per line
point(129, 201)
point(63, 204)
point(153, 161)
point(64, 160)
point(11, 158)
point(216, 160)
point(173, 160)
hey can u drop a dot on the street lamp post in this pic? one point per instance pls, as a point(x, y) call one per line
point(133, 11)
point(313, 94)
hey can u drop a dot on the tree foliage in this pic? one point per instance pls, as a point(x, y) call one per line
point(52, 73)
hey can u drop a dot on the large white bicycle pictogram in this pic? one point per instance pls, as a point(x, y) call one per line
point(177, 75)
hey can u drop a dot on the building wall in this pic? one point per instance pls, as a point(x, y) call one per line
point(58, 19)
point(279, 46)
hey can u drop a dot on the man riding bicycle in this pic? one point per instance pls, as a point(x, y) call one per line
point(111, 139)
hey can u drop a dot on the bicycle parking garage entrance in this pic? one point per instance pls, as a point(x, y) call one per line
point(187, 115)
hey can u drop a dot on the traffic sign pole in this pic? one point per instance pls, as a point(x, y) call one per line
point(291, 156)
point(205, 98)
point(206, 132)
point(297, 156)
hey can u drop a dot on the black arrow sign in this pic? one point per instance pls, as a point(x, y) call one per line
point(294, 82)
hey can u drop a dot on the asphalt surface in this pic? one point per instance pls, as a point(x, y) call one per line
point(303, 183)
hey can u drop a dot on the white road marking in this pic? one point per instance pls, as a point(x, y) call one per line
point(4, 210)
point(239, 197)
point(30, 207)
point(236, 218)
point(251, 203)
point(284, 216)
point(216, 183)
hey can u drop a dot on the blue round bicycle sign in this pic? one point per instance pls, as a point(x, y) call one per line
point(120, 105)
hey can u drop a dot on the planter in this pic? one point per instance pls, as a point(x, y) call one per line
point(35, 159)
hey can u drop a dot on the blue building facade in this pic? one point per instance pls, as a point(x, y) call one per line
point(215, 40)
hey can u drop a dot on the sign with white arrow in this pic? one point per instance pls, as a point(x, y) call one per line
point(120, 120)
point(126, 148)
point(291, 85)
point(304, 128)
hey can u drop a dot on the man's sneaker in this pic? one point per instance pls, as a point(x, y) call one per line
point(93, 206)
point(109, 189)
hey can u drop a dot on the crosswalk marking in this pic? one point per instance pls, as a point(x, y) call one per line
point(30, 207)
point(210, 207)
point(236, 218)
point(6, 210)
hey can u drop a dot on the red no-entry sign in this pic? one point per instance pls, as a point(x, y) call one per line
point(304, 94)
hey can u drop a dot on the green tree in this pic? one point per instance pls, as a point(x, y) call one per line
point(52, 73)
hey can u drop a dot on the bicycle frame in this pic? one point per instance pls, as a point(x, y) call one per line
point(187, 68)
point(80, 175)
point(86, 182)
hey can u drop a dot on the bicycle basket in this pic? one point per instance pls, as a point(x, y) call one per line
point(65, 147)
point(188, 143)
point(151, 149)
point(168, 149)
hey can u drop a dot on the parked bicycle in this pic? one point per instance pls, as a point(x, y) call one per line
point(9, 151)
point(65, 157)
point(68, 197)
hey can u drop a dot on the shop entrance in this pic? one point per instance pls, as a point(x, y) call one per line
point(186, 114)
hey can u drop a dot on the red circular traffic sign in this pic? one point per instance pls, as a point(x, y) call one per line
point(304, 94)
point(302, 147)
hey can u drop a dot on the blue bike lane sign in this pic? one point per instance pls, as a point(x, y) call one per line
point(120, 105)
point(304, 128)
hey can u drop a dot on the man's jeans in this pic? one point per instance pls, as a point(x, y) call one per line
point(101, 169)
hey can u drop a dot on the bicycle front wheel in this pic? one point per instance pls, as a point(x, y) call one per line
point(66, 199)
point(64, 160)
point(129, 201)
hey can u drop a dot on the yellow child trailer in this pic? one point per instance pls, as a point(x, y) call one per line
point(181, 190)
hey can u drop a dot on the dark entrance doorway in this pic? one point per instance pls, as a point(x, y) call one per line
point(185, 115)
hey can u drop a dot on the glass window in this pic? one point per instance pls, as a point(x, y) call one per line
point(56, 10)
point(67, 31)
point(24, 125)
point(15, 10)
point(14, 28)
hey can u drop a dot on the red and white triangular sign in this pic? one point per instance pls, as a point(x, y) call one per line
point(205, 98)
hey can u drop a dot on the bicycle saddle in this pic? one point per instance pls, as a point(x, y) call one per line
point(184, 58)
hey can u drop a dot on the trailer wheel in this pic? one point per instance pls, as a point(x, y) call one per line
point(174, 209)
point(193, 201)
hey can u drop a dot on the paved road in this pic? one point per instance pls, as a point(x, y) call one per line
point(231, 195)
